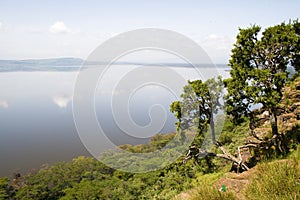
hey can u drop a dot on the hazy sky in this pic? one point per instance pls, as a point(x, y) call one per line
point(56, 28)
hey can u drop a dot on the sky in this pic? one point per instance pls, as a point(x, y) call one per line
point(46, 29)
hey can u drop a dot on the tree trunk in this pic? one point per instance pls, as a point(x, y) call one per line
point(273, 121)
point(212, 127)
point(278, 139)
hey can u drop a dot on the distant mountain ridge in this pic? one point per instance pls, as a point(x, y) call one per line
point(51, 64)
point(73, 64)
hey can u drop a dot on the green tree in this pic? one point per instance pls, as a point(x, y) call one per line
point(259, 64)
point(200, 102)
point(4, 188)
point(175, 108)
point(208, 95)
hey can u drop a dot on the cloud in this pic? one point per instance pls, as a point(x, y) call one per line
point(217, 46)
point(62, 101)
point(4, 104)
point(1, 25)
point(218, 42)
point(59, 27)
point(212, 37)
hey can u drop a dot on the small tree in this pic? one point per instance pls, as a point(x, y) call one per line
point(200, 102)
point(208, 95)
point(259, 69)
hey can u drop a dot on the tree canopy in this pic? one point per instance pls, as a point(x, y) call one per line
point(259, 63)
point(200, 102)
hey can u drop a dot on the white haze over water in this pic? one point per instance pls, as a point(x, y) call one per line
point(36, 118)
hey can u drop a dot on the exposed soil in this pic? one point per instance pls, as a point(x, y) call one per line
point(235, 183)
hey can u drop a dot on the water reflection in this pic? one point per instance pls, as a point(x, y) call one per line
point(4, 104)
point(62, 101)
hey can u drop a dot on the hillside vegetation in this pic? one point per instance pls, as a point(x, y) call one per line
point(87, 178)
point(256, 156)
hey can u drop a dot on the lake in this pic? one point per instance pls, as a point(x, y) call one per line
point(36, 117)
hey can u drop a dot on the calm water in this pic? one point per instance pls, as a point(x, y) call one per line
point(36, 118)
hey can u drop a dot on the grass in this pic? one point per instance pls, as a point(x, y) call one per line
point(205, 190)
point(211, 193)
point(276, 180)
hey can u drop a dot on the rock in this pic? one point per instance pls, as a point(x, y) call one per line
point(286, 117)
point(262, 122)
point(294, 95)
point(261, 133)
point(265, 114)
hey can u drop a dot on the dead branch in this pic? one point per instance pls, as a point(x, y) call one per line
point(198, 153)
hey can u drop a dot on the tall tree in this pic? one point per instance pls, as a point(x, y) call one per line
point(200, 102)
point(259, 64)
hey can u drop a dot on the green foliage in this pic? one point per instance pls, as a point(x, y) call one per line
point(232, 135)
point(240, 93)
point(175, 108)
point(198, 109)
point(50, 182)
point(157, 141)
point(4, 188)
point(87, 178)
point(200, 102)
point(160, 140)
point(259, 69)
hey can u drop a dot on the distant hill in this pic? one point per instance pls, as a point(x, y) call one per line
point(52, 64)
point(73, 64)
